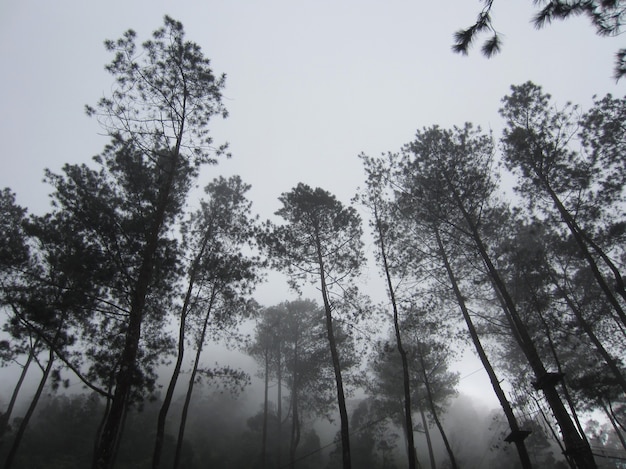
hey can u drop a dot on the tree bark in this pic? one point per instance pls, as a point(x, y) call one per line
point(6, 417)
point(575, 445)
point(167, 400)
point(295, 424)
point(279, 410)
point(106, 446)
point(192, 379)
point(265, 389)
point(429, 443)
point(433, 410)
point(557, 361)
point(579, 237)
point(341, 400)
point(408, 421)
point(495, 383)
point(608, 359)
point(617, 430)
point(29, 413)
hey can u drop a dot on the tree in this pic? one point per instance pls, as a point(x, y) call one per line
point(559, 306)
point(288, 344)
point(157, 116)
point(321, 242)
point(606, 16)
point(580, 190)
point(220, 278)
point(49, 444)
point(267, 349)
point(44, 299)
point(427, 228)
point(431, 382)
point(14, 257)
point(439, 384)
point(369, 443)
point(456, 164)
point(308, 365)
point(384, 235)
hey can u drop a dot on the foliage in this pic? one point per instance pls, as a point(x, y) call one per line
point(607, 16)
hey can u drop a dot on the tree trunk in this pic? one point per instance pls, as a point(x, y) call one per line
point(495, 383)
point(124, 379)
point(429, 443)
point(167, 400)
point(619, 280)
point(341, 400)
point(575, 445)
point(169, 394)
point(295, 424)
point(279, 410)
point(557, 361)
point(568, 457)
point(6, 417)
point(408, 421)
point(265, 389)
point(433, 410)
point(111, 432)
point(608, 359)
point(192, 379)
point(577, 234)
point(103, 420)
point(617, 430)
point(29, 413)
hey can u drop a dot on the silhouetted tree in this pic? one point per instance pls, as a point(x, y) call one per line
point(220, 278)
point(321, 242)
point(383, 229)
point(157, 116)
point(457, 162)
point(577, 189)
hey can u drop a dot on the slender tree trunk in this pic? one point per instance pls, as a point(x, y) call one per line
point(192, 379)
point(279, 410)
point(167, 400)
point(6, 417)
point(576, 232)
point(169, 394)
point(429, 443)
point(58, 353)
point(433, 410)
point(588, 329)
point(617, 430)
point(29, 413)
point(495, 383)
point(265, 389)
point(411, 453)
point(295, 424)
point(558, 440)
point(615, 419)
point(118, 441)
point(107, 409)
point(576, 446)
point(341, 400)
point(619, 280)
point(557, 361)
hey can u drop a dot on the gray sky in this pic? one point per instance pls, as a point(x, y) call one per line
point(310, 84)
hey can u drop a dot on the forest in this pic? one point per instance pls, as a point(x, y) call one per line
point(119, 302)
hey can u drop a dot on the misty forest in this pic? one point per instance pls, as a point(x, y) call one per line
point(132, 337)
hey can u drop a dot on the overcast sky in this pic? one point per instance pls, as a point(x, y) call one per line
point(310, 84)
